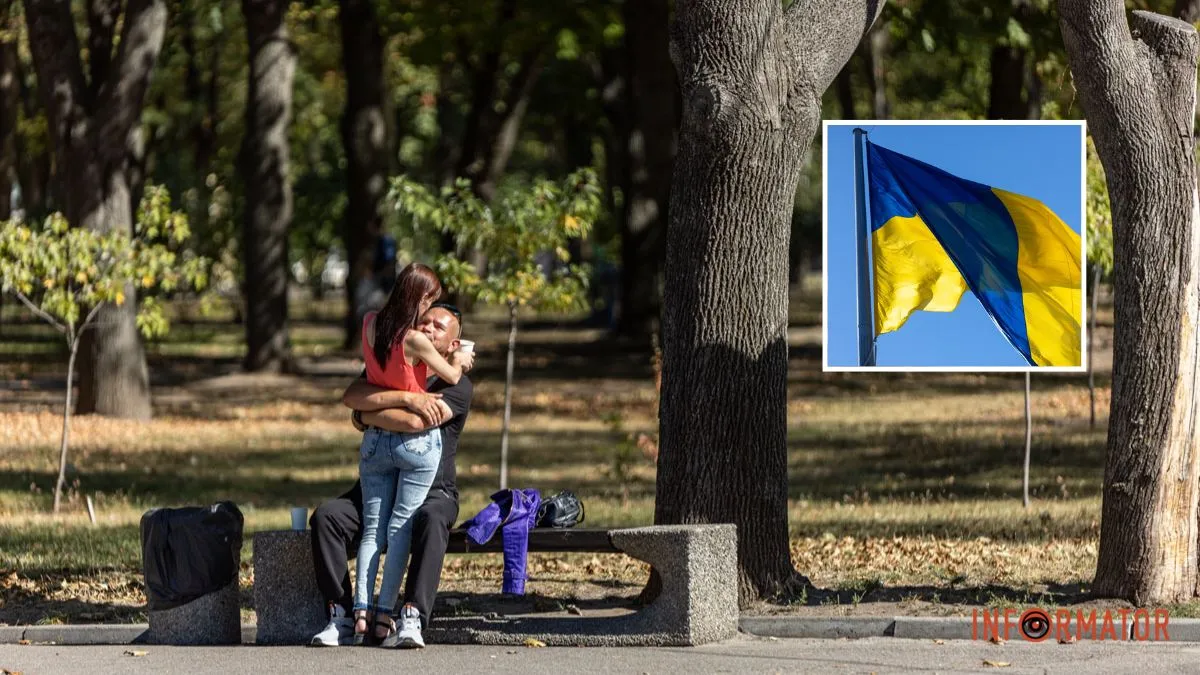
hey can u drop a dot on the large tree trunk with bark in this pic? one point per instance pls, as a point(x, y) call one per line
point(1139, 95)
point(366, 141)
point(92, 125)
point(752, 76)
point(264, 163)
point(649, 137)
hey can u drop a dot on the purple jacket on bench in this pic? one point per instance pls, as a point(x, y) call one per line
point(514, 513)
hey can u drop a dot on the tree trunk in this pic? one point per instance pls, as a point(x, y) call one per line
point(845, 91)
point(879, 43)
point(752, 76)
point(1013, 91)
point(33, 168)
point(1006, 99)
point(66, 425)
point(1092, 342)
point(650, 103)
point(1139, 96)
point(90, 128)
point(264, 163)
point(9, 99)
point(508, 382)
point(505, 130)
point(366, 140)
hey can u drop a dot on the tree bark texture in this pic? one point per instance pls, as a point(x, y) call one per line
point(649, 138)
point(91, 127)
point(366, 141)
point(264, 160)
point(1139, 96)
point(751, 76)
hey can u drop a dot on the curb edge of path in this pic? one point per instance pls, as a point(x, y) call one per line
point(819, 627)
point(912, 627)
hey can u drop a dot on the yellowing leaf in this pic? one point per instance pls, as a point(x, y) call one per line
point(530, 642)
point(997, 664)
point(120, 299)
point(81, 278)
point(148, 281)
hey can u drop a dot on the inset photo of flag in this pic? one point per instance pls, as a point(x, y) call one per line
point(954, 246)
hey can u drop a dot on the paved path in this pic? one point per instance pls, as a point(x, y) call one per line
point(741, 655)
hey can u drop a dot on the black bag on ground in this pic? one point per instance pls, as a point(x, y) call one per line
point(189, 552)
point(563, 509)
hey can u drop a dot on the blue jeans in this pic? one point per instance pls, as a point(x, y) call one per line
point(396, 471)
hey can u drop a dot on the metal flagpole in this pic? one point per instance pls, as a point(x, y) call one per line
point(866, 314)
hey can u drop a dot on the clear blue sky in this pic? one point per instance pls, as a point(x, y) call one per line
point(1042, 162)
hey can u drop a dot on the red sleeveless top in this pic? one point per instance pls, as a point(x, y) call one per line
point(398, 375)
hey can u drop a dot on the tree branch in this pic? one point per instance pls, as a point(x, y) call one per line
point(821, 35)
point(37, 310)
point(119, 107)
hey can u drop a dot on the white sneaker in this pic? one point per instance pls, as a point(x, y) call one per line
point(409, 635)
point(339, 630)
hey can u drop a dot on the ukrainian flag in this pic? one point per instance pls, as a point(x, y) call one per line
point(935, 235)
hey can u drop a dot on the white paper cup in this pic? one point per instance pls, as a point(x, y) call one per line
point(466, 346)
point(299, 518)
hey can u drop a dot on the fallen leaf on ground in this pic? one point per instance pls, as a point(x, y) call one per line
point(135, 652)
point(530, 642)
point(572, 609)
point(997, 640)
point(997, 664)
point(939, 642)
point(6, 671)
point(1069, 640)
point(23, 642)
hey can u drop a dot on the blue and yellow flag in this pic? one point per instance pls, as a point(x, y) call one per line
point(935, 235)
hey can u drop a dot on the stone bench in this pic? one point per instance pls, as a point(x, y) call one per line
point(698, 602)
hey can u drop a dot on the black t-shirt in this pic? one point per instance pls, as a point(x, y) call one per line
point(458, 398)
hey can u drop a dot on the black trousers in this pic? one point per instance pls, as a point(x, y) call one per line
point(337, 531)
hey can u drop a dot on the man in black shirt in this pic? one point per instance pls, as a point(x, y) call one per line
point(337, 524)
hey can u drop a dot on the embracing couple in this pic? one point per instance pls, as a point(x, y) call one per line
point(411, 403)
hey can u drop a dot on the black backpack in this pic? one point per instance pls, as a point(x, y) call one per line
point(562, 509)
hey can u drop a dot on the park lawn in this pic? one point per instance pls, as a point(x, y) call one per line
point(904, 489)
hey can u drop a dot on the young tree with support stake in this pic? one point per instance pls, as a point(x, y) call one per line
point(67, 276)
point(523, 223)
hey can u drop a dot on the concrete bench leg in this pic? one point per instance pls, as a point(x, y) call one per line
point(213, 619)
point(289, 606)
point(698, 566)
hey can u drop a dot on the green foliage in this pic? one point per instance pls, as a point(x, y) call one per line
point(62, 271)
point(1099, 215)
point(524, 221)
